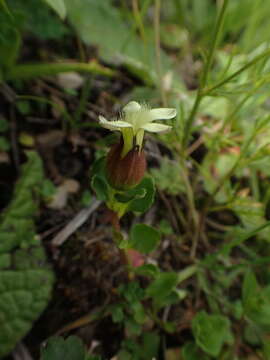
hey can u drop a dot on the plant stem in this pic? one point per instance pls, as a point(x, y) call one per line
point(236, 73)
point(83, 100)
point(29, 71)
point(138, 19)
point(199, 229)
point(200, 92)
point(115, 221)
point(158, 54)
point(190, 196)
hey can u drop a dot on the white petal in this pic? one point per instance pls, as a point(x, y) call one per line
point(154, 127)
point(132, 106)
point(162, 113)
point(102, 119)
point(113, 125)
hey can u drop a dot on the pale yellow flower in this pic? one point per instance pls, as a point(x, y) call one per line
point(136, 119)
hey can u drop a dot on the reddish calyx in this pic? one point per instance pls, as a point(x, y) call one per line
point(125, 173)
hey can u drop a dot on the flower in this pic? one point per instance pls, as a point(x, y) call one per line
point(134, 120)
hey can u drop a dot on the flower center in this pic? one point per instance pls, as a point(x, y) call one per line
point(138, 118)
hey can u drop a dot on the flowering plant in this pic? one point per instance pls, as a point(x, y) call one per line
point(126, 162)
point(118, 179)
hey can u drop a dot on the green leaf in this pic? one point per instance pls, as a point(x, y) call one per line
point(133, 327)
point(131, 292)
point(168, 177)
point(214, 167)
point(250, 286)
point(266, 349)
point(3, 124)
point(86, 198)
point(58, 348)
point(117, 313)
point(191, 352)
point(10, 42)
point(147, 270)
point(126, 196)
point(26, 280)
point(150, 346)
point(58, 6)
point(102, 24)
point(256, 301)
point(47, 189)
point(5, 7)
point(4, 144)
point(252, 334)
point(162, 287)
point(250, 212)
point(24, 107)
point(239, 238)
point(138, 312)
point(143, 204)
point(144, 238)
point(39, 20)
point(211, 332)
point(165, 227)
point(101, 187)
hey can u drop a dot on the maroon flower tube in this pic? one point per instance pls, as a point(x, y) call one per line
point(125, 173)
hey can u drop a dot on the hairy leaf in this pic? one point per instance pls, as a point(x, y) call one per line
point(25, 279)
point(58, 348)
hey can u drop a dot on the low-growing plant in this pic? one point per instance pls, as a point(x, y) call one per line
point(211, 294)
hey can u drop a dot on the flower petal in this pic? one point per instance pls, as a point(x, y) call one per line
point(113, 125)
point(157, 128)
point(132, 106)
point(162, 113)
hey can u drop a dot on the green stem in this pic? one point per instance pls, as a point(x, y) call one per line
point(209, 61)
point(29, 71)
point(83, 100)
point(158, 51)
point(190, 196)
point(236, 73)
point(138, 19)
point(199, 229)
point(215, 41)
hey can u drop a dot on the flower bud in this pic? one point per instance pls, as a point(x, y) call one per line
point(125, 173)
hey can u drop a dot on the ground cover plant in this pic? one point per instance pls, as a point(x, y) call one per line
point(134, 180)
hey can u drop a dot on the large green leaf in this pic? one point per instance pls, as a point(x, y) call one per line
point(256, 300)
point(100, 23)
point(25, 279)
point(58, 348)
point(144, 238)
point(211, 332)
point(58, 6)
point(38, 20)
